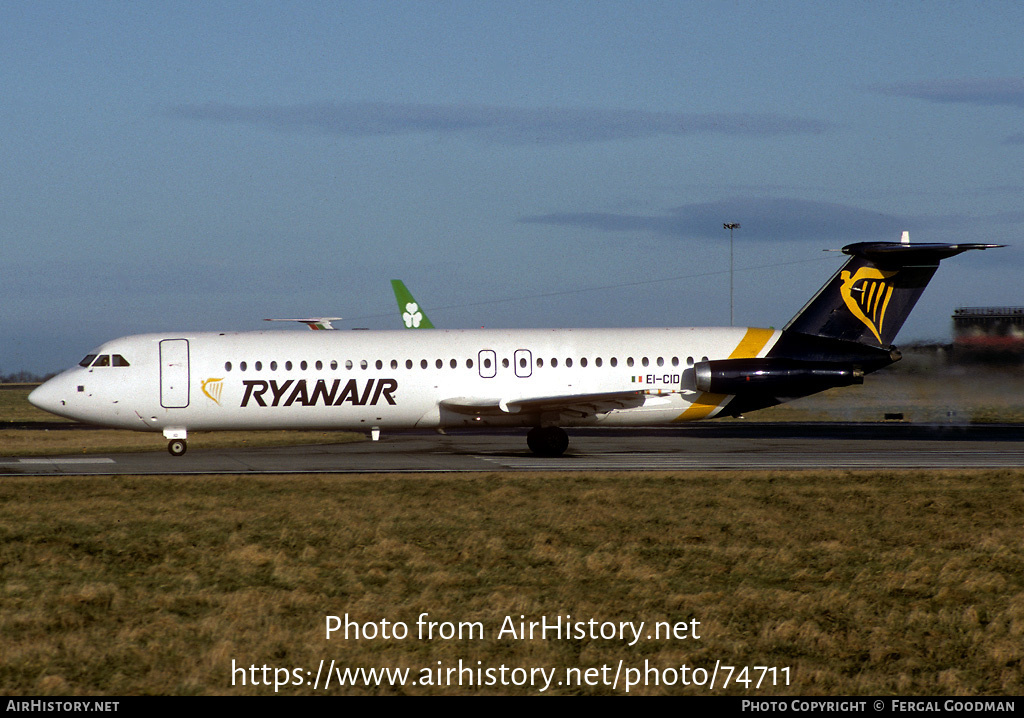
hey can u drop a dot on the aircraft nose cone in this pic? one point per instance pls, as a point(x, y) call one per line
point(47, 396)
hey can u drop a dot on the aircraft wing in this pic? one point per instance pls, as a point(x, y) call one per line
point(582, 404)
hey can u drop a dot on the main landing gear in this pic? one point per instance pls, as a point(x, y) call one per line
point(547, 441)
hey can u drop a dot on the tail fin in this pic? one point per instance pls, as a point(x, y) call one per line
point(412, 313)
point(843, 333)
point(869, 298)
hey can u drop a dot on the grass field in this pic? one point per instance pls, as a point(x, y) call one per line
point(906, 583)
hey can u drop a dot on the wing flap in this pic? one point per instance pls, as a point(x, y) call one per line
point(585, 404)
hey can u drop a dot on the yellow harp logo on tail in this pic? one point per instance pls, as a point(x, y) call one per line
point(866, 294)
point(213, 388)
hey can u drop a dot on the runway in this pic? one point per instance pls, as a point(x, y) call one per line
point(715, 447)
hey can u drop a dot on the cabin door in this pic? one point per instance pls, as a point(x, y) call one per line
point(174, 377)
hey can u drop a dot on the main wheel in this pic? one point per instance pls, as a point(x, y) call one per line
point(177, 447)
point(547, 441)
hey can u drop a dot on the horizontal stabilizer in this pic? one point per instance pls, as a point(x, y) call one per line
point(312, 322)
point(904, 254)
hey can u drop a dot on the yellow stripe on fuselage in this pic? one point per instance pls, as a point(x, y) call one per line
point(749, 347)
point(752, 343)
point(701, 407)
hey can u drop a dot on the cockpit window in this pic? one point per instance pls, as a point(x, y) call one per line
point(119, 360)
point(88, 360)
point(102, 361)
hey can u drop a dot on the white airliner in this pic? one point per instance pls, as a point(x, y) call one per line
point(544, 379)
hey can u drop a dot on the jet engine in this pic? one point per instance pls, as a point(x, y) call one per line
point(773, 376)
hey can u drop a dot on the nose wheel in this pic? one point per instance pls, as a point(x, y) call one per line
point(177, 447)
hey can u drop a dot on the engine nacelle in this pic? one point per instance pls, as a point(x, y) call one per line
point(774, 377)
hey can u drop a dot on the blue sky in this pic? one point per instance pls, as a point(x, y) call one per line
point(178, 166)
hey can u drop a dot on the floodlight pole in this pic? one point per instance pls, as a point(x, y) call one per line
point(730, 226)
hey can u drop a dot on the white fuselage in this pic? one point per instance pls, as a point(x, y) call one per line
point(395, 380)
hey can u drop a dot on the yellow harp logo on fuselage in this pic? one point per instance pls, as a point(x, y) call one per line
point(213, 388)
point(866, 294)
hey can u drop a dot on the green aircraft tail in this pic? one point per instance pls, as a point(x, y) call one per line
point(412, 313)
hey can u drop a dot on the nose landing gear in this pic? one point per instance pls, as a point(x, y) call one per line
point(176, 441)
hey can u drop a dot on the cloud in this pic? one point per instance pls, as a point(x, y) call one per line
point(498, 125)
point(974, 91)
point(760, 219)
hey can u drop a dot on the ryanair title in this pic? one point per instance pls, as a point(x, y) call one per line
point(296, 391)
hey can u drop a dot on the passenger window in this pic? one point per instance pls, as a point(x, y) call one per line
point(568, 362)
point(613, 361)
point(454, 363)
point(379, 364)
point(227, 366)
point(583, 362)
point(394, 363)
point(629, 361)
point(408, 363)
point(597, 361)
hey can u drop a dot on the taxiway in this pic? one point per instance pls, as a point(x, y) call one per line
point(708, 447)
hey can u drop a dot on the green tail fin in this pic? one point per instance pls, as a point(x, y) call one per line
point(411, 312)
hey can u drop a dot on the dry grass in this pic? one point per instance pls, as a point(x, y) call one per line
point(901, 582)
